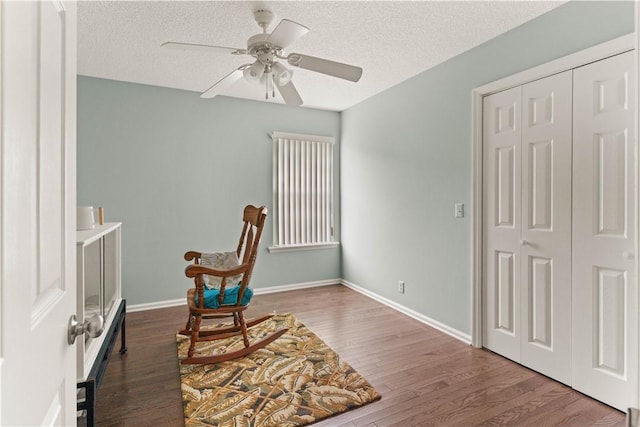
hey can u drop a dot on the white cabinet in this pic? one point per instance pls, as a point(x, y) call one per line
point(99, 292)
point(99, 287)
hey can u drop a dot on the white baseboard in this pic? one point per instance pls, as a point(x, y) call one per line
point(159, 304)
point(465, 338)
point(296, 286)
point(256, 291)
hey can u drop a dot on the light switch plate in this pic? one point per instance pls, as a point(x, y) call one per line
point(459, 210)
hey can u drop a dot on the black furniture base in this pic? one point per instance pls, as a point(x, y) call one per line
point(90, 385)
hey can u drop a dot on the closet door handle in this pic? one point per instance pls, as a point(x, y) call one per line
point(524, 242)
point(627, 255)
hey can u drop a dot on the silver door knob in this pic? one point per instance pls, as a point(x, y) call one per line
point(93, 326)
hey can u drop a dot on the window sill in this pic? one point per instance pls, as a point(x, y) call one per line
point(292, 248)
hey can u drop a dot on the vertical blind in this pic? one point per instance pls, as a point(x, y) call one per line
point(303, 189)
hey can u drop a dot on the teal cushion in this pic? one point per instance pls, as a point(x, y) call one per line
point(230, 297)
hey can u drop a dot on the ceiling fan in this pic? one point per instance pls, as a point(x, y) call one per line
point(267, 49)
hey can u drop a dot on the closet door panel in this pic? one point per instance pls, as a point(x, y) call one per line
point(502, 161)
point(605, 334)
point(546, 226)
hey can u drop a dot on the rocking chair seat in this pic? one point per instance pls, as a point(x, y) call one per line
point(212, 300)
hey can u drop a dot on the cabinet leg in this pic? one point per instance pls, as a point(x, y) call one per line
point(90, 401)
point(123, 330)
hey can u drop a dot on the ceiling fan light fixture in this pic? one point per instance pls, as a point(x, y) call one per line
point(255, 72)
point(281, 74)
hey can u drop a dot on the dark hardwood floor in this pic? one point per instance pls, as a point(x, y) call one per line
point(425, 377)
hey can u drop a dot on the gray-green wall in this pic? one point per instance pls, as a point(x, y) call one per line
point(177, 170)
point(406, 159)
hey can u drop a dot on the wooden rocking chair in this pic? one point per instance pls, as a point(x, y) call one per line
point(230, 299)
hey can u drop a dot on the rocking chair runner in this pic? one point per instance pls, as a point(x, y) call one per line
point(230, 300)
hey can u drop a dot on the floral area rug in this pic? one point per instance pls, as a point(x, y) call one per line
point(294, 381)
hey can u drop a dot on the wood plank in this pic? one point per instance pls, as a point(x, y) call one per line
point(425, 376)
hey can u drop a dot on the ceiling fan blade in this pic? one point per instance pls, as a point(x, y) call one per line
point(332, 68)
point(290, 94)
point(222, 84)
point(286, 33)
point(203, 48)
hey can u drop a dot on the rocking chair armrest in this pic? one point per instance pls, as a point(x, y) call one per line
point(189, 256)
point(193, 270)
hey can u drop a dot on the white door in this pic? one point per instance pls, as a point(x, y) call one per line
point(605, 334)
point(546, 226)
point(37, 213)
point(527, 225)
point(502, 213)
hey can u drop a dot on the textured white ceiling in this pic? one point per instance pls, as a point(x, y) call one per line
point(391, 40)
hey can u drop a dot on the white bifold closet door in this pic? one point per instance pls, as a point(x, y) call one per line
point(605, 310)
point(560, 228)
point(502, 226)
point(546, 226)
point(527, 224)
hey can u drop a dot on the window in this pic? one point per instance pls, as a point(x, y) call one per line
point(302, 191)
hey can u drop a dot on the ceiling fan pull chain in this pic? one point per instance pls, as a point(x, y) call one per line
point(269, 79)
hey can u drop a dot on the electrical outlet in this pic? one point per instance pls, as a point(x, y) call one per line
point(401, 286)
point(459, 210)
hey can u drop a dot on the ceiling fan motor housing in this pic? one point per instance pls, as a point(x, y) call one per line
point(266, 53)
